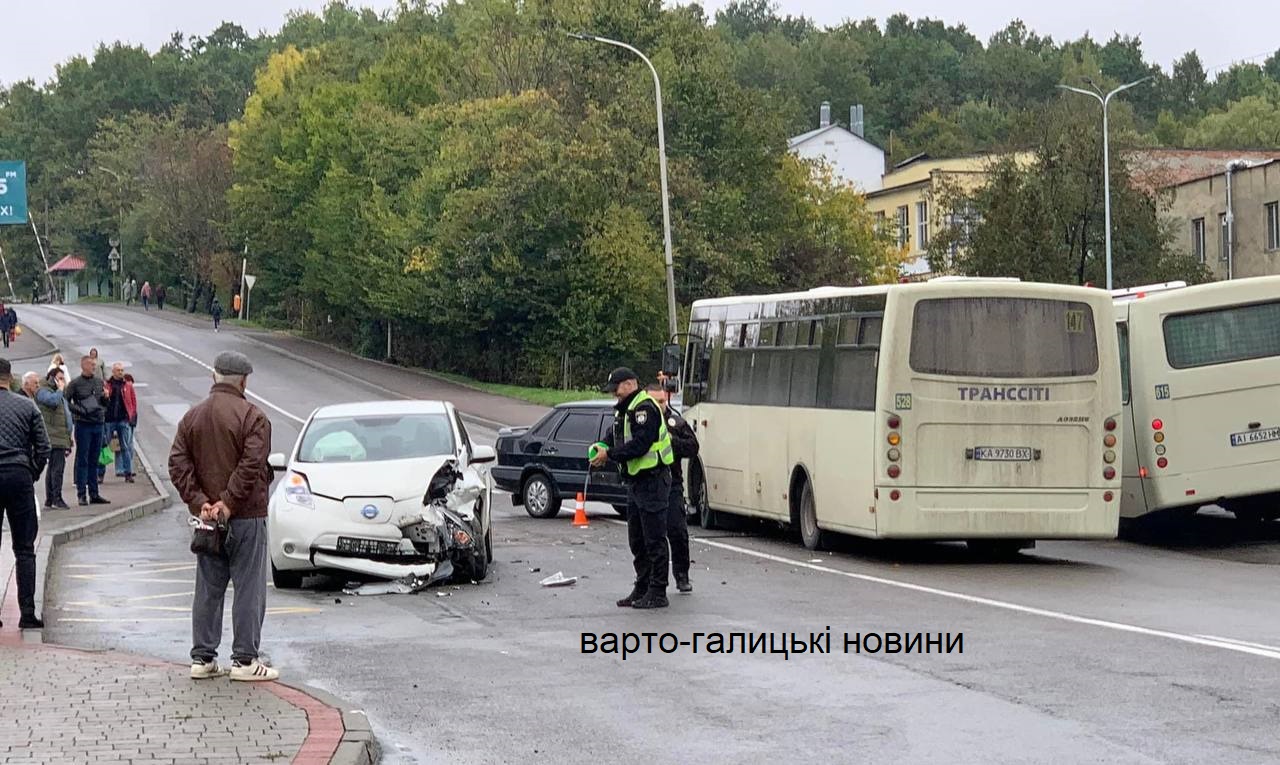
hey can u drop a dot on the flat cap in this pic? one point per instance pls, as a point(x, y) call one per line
point(232, 363)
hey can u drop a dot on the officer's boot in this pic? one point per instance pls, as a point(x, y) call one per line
point(637, 592)
point(683, 584)
point(652, 599)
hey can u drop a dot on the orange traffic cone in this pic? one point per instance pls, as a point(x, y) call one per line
point(580, 512)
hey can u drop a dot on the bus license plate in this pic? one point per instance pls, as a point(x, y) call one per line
point(1255, 437)
point(367, 546)
point(1002, 453)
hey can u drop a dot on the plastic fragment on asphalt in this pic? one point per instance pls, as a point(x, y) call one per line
point(558, 579)
point(406, 585)
point(534, 570)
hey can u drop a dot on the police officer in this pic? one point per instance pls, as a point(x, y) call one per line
point(684, 443)
point(641, 446)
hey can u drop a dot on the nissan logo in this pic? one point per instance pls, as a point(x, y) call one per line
point(369, 511)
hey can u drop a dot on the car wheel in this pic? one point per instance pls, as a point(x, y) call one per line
point(476, 568)
point(285, 580)
point(540, 498)
point(811, 536)
point(621, 510)
point(709, 519)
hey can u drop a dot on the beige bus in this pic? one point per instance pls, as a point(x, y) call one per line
point(1201, 388)
point(958, 409)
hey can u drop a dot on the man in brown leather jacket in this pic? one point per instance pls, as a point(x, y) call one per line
point(218, 464)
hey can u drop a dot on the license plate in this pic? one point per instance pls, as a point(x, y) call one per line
point(367, 546)
point(1002, 453)
point(1255, 437)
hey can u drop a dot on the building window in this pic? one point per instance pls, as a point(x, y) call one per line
point(1273, 225)
point(1224, 243)
point(1197, 239)
point(904, 227)
point(922, 225)
point(880, 222)
point(962, 223)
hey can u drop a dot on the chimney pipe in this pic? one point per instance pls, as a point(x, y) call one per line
point(855, 120)
point(824, 116)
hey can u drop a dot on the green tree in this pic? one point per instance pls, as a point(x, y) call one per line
point(1252, 122)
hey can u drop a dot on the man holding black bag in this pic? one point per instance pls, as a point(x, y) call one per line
point(24, 450)
point(218, 463)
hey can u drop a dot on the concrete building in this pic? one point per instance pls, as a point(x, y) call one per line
point(906, 203)
point(1246, 243)
point(851, 156)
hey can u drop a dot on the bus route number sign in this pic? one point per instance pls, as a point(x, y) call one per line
point(902, 401)
point(1075, 322)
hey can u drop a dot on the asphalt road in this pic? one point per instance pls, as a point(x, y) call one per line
point(1115, 652)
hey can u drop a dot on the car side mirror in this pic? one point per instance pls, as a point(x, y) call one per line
point(277, 462)
point(482, 454)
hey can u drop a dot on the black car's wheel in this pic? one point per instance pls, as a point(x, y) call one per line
point(540, 497)
point(285, 580)
point(621, 510)
point(476, 568)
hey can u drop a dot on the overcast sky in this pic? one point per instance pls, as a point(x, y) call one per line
point(38, 34)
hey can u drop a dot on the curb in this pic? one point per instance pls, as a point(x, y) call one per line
point(49, 542)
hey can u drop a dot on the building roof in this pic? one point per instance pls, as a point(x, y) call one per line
point(803, 137)
point(1171, 179)
point(68, 263)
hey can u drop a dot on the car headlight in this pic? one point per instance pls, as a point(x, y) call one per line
point(297, 491)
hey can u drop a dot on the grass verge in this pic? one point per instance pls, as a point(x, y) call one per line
point(541, 396)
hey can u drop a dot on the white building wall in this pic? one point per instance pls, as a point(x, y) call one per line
point(851, 158)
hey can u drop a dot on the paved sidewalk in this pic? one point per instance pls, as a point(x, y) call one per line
point(63, 705)
point(494, 410)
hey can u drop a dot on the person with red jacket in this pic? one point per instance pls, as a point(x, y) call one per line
point(122, 417)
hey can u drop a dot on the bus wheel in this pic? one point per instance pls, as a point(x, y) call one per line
point(811, 536)
point(998, 548)
point(709, 519)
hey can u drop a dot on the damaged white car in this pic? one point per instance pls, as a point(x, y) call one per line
point(389, 489)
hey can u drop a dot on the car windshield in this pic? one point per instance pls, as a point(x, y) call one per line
point(375, 438)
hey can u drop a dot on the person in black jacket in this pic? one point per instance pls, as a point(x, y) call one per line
point(684, 442)
point(24, 450)
point(88, 404)
point(638, 443)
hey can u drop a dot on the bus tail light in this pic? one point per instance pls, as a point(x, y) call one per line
point(1108, 456)
point(1108, 472)
point(1162, 463)
point(895, 495)
point(894, 438)
point(1157, 424)
point(1107, 496)
point(1158, 437)
point(894, 422)
point(894, 455)
point(1110, 424)
point(894, 471)
point(1109, 441)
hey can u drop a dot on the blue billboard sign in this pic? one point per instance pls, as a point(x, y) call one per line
point(13, 192)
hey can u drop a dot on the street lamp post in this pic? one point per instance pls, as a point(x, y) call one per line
point(662, 167)
point(1105, 100)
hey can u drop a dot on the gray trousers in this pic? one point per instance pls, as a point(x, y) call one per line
point(245, 566)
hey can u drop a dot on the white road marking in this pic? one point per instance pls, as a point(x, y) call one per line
point(1241, 642)
point(1254, 649)
point(173, 350)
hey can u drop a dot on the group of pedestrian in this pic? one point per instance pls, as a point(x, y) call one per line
point(647, 441)
point(145, 294)
point(103, 407)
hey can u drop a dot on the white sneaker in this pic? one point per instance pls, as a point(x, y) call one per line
point(206, 670)
point(254, 672)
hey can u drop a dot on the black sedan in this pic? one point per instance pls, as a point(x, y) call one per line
point(546, 464)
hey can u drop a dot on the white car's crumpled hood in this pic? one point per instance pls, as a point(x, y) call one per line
point(399, 479)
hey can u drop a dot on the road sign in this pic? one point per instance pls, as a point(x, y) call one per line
point(13, 192)
point(249, 279)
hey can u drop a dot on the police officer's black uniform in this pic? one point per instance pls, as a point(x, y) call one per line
point(684, 442)
point(648, 494)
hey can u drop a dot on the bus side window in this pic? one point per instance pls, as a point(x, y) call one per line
point(1122, 332)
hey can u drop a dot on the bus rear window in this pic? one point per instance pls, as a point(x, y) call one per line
point(1222, 335)
point(1003, 337)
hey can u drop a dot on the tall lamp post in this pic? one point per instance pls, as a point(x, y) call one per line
point(1105, 100)
point(119, 254)
point(662, 166)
